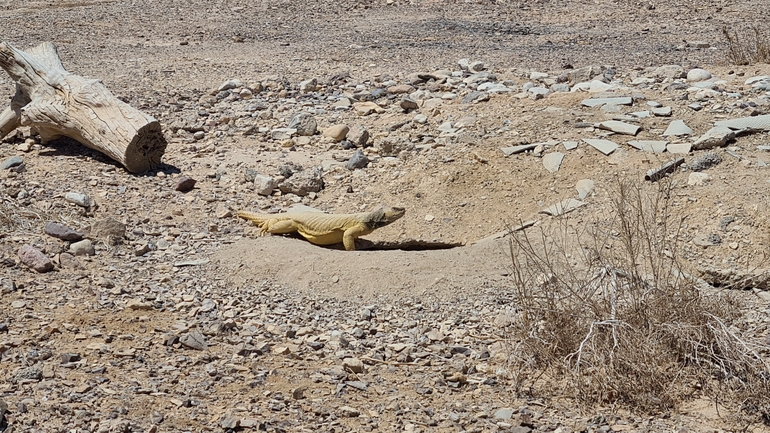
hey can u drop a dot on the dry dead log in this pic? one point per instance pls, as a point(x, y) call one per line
point(58, 104)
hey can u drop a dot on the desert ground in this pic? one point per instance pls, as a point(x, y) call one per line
point(162, 311)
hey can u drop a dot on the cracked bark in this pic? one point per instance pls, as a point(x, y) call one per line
point(56, 103)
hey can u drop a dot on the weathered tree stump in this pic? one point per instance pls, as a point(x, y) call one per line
point(58, 104)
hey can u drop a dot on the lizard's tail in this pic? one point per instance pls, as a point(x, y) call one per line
point(251, 216)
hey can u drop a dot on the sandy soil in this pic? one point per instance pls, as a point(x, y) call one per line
point(120, 311)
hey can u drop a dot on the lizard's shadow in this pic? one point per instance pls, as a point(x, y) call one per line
point(403, 245)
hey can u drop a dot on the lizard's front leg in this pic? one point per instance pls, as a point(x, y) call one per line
point(350, 235)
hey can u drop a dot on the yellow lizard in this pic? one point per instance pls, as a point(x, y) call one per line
point(325, 229)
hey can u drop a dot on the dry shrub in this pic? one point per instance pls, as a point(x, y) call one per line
point(14, 217)
point(608, 315)
point(752, 47)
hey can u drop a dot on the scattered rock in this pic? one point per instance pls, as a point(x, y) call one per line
point(619, 127)
point(281, 134)
point(358, 160)
point(552, 161)
point(79, 199)
point(677, 127)
point(66, 358)
point(185, 184)
point(336, 132)
point(353, 364)
point(717, 136)
point(60, 231)
point(679, 148)
point(308, 86)
point(35, 259)
point(303, 182)
point(400, 89)
point(82, 248)
point(358, 135)
point(366, 108)
point(598, 102)
point(229, 422)
point(264, 185)
point(407, 104)
point(604, 146)
point(753, 123)
point(475, 97)
point(669, 71)
point(11, 162)
point(655, 146)
point(512, 150)
point(584, 187)
point(698, 74)
point(304, 123)
point(229, 85)
point(194, 340)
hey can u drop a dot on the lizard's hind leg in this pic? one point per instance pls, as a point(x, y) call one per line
point(277, 227)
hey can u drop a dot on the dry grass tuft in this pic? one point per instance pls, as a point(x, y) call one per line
point(14, 217)
point(753, 47)
point(608, 315)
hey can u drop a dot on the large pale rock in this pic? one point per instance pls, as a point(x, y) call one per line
point(82, 248)
point(698, 74)
point(336, 132)
point(717, 136)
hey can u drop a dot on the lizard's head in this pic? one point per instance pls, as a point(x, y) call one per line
point(383, 216)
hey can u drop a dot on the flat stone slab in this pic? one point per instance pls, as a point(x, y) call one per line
point(752, 80)
point(584, 187)
point(677, 127)
point(654, 146)
point(512, 150)
point(679, 148)
point(754, 123)
point(625, 118)
point(569, 145)
point(618, 100)
point(11, 162)
point(619, 127)
point(662, 111)
point(563, 207)
point(604, 146)
point(552, 161)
